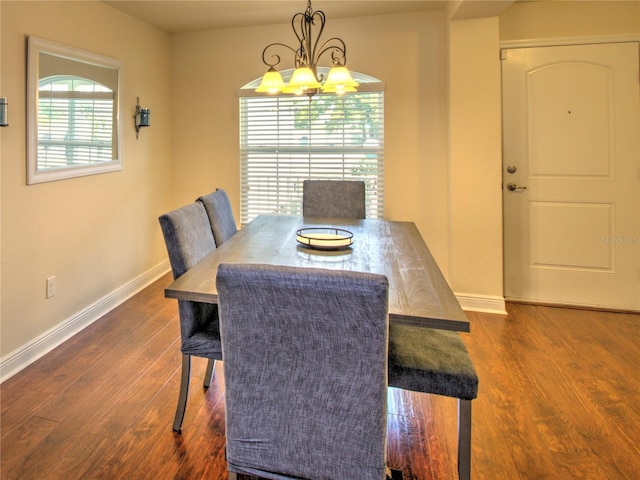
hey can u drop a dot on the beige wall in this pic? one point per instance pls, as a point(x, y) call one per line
point(93, 233)
point(556, 19)
point(475, 158)
point(1, 136)
point(407, 52)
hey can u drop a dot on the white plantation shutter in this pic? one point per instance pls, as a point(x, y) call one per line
point(286, 139)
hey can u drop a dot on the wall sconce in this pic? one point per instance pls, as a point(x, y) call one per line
point(4, 120)
point(142, 117)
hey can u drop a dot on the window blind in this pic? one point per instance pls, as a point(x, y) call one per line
point(287, 139)
point(74, 127)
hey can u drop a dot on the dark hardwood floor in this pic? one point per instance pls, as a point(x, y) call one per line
point(559, 398)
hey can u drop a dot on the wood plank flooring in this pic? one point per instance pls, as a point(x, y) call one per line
point(559, 398)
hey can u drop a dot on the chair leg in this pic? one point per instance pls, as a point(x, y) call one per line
point(208, 376)
point(464, 439)
point(184, 393)
point(393, 474)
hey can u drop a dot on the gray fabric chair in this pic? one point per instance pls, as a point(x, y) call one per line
point(315, 407)
point(218, 208)
point(436, 361)
point(333, 198)
point(188, 237)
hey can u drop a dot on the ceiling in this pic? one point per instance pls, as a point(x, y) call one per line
point(177, 16)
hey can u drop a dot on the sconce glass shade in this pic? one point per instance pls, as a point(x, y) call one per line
point(4, 122)
point(339, 81)
point(303, 79)
point(143, 117)
point(271, 82)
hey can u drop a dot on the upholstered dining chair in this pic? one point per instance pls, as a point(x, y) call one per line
point(188, 237)
point(218, 207)
point(333, 198)
point(437, 362)
point(317, 408)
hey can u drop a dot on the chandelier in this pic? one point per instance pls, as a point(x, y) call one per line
point(305, 79)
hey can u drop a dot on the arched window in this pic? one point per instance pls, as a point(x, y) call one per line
point(285, 139)
point(76, 116)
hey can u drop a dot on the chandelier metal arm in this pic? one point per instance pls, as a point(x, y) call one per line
point(338, 52)
point(302, 25)
point(276, 56)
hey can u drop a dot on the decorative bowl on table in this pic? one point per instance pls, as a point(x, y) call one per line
point(324, 238)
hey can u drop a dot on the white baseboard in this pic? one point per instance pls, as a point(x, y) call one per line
point(22, 357)
point(482, 303)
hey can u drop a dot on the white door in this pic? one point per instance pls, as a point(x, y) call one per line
point(571, 129)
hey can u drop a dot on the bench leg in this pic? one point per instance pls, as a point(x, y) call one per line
point(464, 439)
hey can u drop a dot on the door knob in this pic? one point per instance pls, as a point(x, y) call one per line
point(512, 187)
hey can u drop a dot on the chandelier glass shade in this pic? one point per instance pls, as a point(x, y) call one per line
point(339, 80)
point(305, 79)
point(272, 82)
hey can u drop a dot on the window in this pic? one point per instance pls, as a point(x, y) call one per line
point(286, 139)
point(73, 105)
point(75, 118)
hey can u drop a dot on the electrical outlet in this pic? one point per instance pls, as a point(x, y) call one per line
point(51, 286)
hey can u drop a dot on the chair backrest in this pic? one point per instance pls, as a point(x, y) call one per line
point(333, 198)
point(305, 366)
point(218, 208)
point(187, 235)
point(189, 239)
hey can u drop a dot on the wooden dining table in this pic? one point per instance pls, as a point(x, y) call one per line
point(418, 292)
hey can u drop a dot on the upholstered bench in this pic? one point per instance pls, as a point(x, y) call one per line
point(436, 361)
